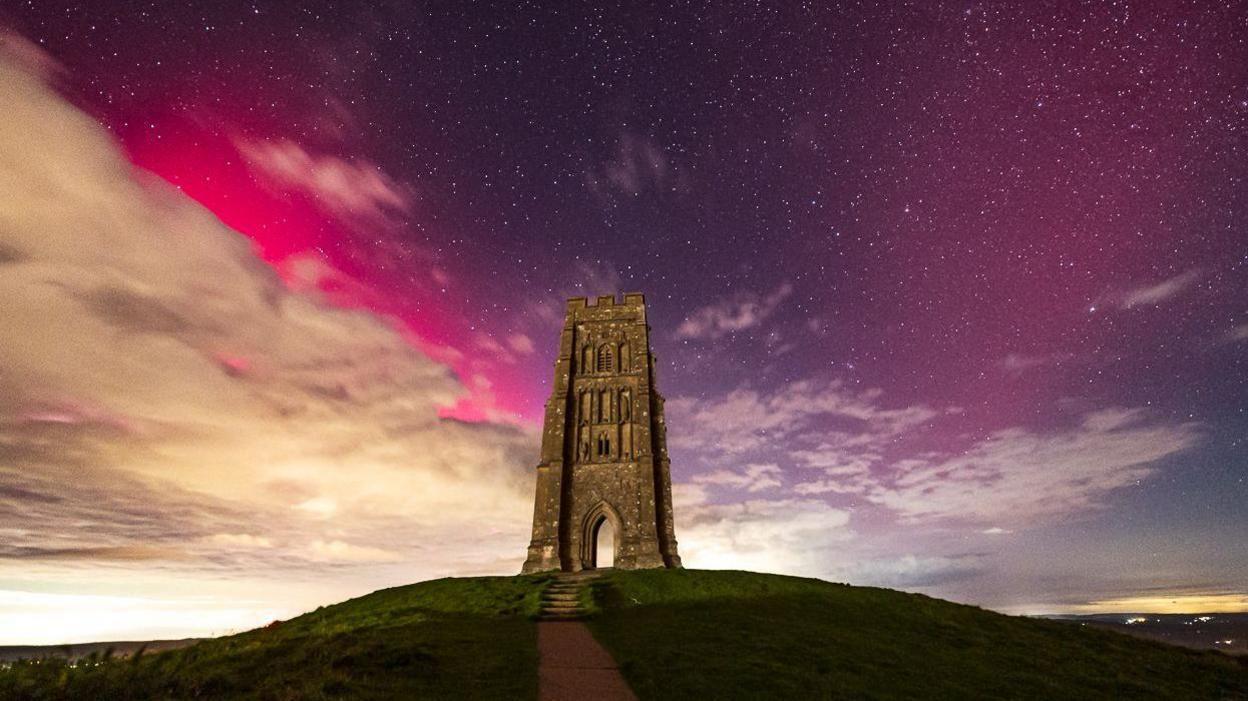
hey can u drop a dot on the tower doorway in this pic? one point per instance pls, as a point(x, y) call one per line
point(603, 551)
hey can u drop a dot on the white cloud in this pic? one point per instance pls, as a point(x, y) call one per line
point(746, 419)
point(162, 384)
point(797, 536)
point(240, 540)
point(1014, 476)
point(1160, 291)
point(755, 477)
point(338, 551)
point(1019, 476)
point(739, 312)
point(351, 190)
point(778, 535)
point(521, 344)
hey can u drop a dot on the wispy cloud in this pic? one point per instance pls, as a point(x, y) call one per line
point(1158, 292)
point(352, 190)
point(640, 165)
point(848, 444)
point(755, 477)
point(521, 344)
point(1020, 362)
point(742, 311)
point(1020, 476)
point(747, 419)
point(582, 279)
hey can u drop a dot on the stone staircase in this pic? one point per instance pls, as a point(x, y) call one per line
point(561, 599)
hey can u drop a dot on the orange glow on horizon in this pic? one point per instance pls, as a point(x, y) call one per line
point(1177, 603)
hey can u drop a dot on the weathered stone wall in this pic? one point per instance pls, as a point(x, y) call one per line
point(604, 445)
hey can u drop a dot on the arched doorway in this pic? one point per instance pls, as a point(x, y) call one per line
point(603, 554)
point(600, 537)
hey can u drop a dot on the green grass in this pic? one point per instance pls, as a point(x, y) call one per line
point(739, 635)
point(676, 634)
point(448, 638)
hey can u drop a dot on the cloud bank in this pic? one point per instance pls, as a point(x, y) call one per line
point(166, 401)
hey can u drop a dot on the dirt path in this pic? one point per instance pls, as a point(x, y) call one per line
point(573, 666)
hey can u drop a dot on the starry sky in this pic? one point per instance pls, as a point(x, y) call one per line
point(947, 296)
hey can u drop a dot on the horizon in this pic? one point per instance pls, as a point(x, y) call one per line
point(948, 300)
point(1237, 606)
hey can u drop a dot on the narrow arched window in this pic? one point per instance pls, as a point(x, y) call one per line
point(625, 358)
point(606, 359)
point(587, 359)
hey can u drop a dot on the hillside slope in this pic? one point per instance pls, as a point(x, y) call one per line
point(446, 638)
point(676, 634)
point(741, 635)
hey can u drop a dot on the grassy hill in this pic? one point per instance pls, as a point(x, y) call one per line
point(730, 635)
point(447, 638)
point(676, 634)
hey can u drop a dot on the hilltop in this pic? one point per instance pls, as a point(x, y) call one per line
point(675, 634)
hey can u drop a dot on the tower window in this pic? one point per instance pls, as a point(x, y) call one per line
point(606, 359)
point(604, 446)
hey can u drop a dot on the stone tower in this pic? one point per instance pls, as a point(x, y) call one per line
point(604, 446)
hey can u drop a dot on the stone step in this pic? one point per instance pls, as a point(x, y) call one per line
point(561, 599)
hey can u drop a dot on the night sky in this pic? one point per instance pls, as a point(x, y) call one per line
point(949, 297)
